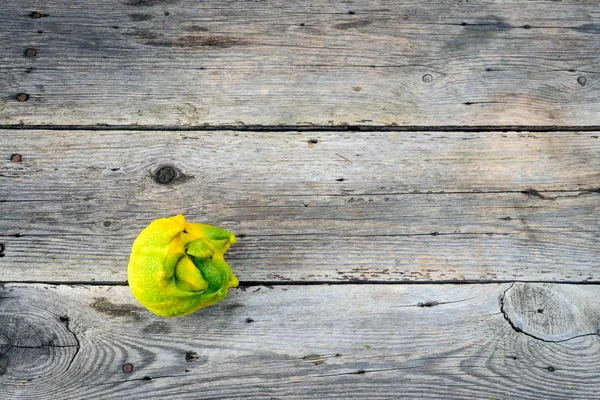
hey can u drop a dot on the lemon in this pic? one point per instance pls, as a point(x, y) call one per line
point(177, 267)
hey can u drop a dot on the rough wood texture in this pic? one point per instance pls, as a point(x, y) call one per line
point(348, 341)
point(352, 206)
point(184, 62)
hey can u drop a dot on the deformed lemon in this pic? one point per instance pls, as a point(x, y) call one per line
point(177, 267)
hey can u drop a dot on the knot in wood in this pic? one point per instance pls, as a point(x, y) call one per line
point(191, 356)
point(166, 174)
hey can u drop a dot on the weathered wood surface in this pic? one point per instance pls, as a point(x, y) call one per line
point(322, 341)
point(352, 206)
point(184, 62)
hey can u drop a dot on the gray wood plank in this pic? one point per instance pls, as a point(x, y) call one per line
point(322, 341)
point(381, 63)
point(410, 207)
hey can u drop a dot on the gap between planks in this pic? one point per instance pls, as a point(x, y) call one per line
point(310, 128)
point(246, 284)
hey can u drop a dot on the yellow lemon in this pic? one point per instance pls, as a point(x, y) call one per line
point(177, 267)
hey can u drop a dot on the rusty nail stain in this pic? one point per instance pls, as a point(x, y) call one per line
point(581, 80)
point(357, 88)
point(30, 53)
point(128, 368)
point(36, 15)
point(405, 16)
point(427, 78)
point(15, 158)
point(22, 97)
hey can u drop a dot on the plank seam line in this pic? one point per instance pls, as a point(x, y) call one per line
point(246, 284)
point(519, 330)
point(310, 128)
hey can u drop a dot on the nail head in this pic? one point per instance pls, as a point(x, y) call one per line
point(128, 368)
point(22, 97)
point(581, 80)
point(36, 15)
point(30, 53)
point(427, 78)
point(15, 158)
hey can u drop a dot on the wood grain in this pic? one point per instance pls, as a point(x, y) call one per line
point(366, 207)
point(179, 63)
point(341, 341)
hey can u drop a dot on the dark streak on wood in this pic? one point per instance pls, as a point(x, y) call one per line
point(191, 41)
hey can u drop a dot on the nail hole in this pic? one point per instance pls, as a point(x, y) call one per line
point(167, 13)
point(540, 310)
point(249, 320)
point(2, 247)
point(551, 369)
point(527, 27)
point(351, 12)
point(107, 223)
point(302, 24)
point(313, 141)
point(340, 179)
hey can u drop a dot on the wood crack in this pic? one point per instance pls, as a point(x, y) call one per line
point(78, 345)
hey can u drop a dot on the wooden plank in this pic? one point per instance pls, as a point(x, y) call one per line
point(321, 341)
point(410, 207)
point(215, 62)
